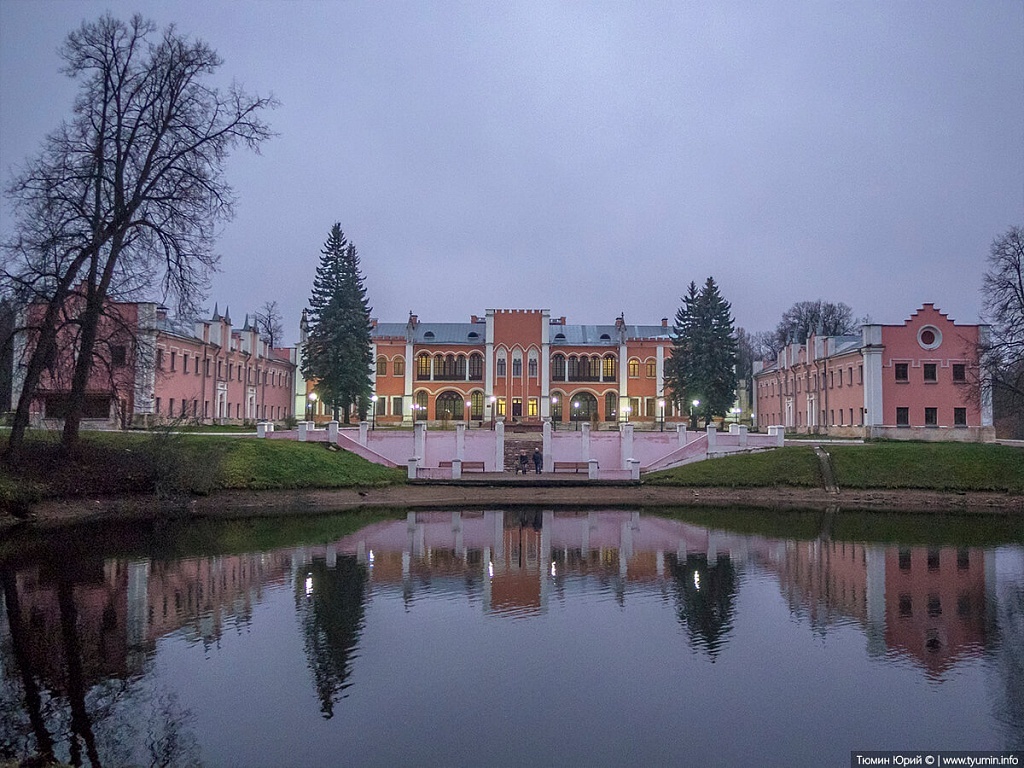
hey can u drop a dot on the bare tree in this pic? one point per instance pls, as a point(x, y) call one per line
point(820, 317)
point(269, 324)
point(1002, 353)
point(127, 193)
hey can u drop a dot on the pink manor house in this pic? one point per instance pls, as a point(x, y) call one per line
point(916, 380)
point(206, 371)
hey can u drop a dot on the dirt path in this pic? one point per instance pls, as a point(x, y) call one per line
point(268, 503)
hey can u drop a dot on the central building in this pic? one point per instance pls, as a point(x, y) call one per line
point(520, 365)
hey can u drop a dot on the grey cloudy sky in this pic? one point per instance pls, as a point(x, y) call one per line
point(594, 157)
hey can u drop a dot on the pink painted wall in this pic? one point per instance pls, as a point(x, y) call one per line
point(957, 344)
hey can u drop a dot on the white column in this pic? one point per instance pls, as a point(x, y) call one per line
point(489, 366)
point(585, 441)
point(545, 364)
point(499, 447)
point(332, 432)
point(681, 433)
point(712, 437)
point(872, 352)
point(410, 364)
point(419, 432)
point(460, 441)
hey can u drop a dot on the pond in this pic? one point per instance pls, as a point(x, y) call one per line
point(511, 637)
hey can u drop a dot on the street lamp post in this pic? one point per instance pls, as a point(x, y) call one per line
point(735, 414)
point(554, 402)
point(693, 413)
point(310, 405)
point(494, 404)
point(576, 414)
point(469, 404)
point(373, 412)
point(661, 407)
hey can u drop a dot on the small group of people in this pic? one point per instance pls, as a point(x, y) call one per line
point(523, 462)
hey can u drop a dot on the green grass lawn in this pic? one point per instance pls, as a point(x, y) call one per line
point(172, 464)
point(790, 466)
point(937, 466)
point(928, 466)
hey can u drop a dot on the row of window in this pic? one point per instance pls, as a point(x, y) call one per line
point(931, 417)
point(964, 608)
point(834, 379)
point(930, 372)
point(934, 559)
point(901, 371)
point(184, 408)
point(460, 368)
point(581, 407)
point(252, 375)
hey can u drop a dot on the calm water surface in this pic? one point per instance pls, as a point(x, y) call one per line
point(511, 638)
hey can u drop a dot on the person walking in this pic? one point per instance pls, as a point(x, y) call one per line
point(524, 463)
point(538, 460)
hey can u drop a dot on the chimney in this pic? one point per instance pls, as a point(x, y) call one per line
point(161, 312)
point(664, 322)
point(620, 321)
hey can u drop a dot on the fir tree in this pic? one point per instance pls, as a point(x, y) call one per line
point(702, 365)
point(337, 353)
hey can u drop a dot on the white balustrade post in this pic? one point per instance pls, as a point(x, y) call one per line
point(681, 432)
point(585, 442)
point(414, 464)
point(456, 469)
point(592, 469)
point(499, 447)
point(625, 444)
point(303, 430)
point(332, 432)
point(460, 442)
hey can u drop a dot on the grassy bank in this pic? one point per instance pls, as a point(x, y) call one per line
point(179, 464)
point(890, 465)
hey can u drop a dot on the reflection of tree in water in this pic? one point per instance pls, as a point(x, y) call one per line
point(1009, 705)
point(706, 595)
point(331, 604)
point(71, 710)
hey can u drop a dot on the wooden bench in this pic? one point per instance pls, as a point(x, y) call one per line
point(571, 466)
point(467, 466)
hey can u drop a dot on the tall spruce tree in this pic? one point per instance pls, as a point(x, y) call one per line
point(337, 354)
point(702, 365)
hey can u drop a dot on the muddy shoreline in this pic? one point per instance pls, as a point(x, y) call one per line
point(240, 504)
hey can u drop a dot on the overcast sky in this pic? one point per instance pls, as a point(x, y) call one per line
point(593, 158)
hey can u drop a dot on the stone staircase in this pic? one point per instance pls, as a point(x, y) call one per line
point(521, 442)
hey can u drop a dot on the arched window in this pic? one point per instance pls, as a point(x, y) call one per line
point(517, 366)
point(450, 406)
point(382, 366)
point(556, 407)
point(476, 409)
point(634, 367)
point(532, 367)
point(438, 366)
point(423, 367)
point(611, 406)
point(499, 367)
point(420, 406)
point(558, 368)
point(476, 367)
point(583, 407)
point(608, 368)
point(398, 367)
point(652, 369)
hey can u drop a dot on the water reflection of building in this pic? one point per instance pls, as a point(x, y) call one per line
point(925, 603)
point(935, 603)
point(109, 613)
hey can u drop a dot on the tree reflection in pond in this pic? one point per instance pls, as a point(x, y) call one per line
point(706, 596)
point(331, 602)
